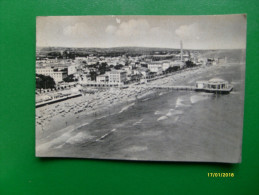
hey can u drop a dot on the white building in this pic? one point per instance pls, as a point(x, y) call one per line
point(117, 77)
point(202, 61)
point(81, 58)
point(102, 78)
point(71, 69)
point(165, 65)
point(128, 69)
point(156, 67)
point(57, 75)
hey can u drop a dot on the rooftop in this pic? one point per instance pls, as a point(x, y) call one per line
point(217, 80)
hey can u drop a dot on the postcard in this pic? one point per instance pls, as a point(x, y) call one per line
point(148, 88)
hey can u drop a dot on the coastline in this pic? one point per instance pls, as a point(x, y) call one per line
point(97, 106)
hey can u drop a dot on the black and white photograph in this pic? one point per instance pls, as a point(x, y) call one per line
point(147, 88)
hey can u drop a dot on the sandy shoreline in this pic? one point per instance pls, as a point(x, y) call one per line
point(56, 119)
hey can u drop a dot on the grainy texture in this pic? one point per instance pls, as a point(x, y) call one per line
point(22, 173)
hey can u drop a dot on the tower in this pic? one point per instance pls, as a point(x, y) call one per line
point(181, 45)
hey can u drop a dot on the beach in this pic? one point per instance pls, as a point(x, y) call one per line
point(143, 123)
point(55, 119)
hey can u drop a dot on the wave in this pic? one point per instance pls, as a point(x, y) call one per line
point(61, 138)
point(105, 135)
point(138, 122)
point(81, 125)
point(179, 103)
point(197, 98)
point(161, 93)
point(162, 118)
point(126, 107)
point(60, 146)
point(101, 117)
point(169, 114)
point(58, 140)
point(80, 137)
point(173, 112)
point(140, 96)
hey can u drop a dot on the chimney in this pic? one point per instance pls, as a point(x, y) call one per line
point(181, 44)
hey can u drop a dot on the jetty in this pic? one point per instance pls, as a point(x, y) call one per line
point(215, 85)
point(180, 87)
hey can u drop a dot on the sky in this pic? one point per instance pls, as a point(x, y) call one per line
point(196, 32)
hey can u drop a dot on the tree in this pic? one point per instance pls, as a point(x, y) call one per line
point(172, 69)
point(119, 66)
point(70, 78)
point(102, 67)
point(45, 82)
point(68, 55)
point(93, 75)
point(190, 64)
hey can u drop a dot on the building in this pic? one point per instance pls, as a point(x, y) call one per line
point(71, 69)
point(186, 57)
point(117, 77)
point(165, 65)
point(177, 57)
point(57, 74)
point(144, 72)
point(201, 85)
point(81, 58)
point(202, 61)
point(156, 67)
point(128, 69)
point(215, 85)
point(177, 63)
point(104, 78)
point(209, 61)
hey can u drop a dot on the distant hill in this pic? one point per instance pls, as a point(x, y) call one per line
point(115, 51)
point(236, 54)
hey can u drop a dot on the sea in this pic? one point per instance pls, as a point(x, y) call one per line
point(167, 125)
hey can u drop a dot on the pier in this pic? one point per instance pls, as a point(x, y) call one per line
point(226, 90)
point(179, 87)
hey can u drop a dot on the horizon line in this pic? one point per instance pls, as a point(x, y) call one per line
point(140, 47)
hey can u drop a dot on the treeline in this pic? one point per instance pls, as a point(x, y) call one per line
point(44, 82)
point(61, 55)
point(190, 64)
point(71, 53)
